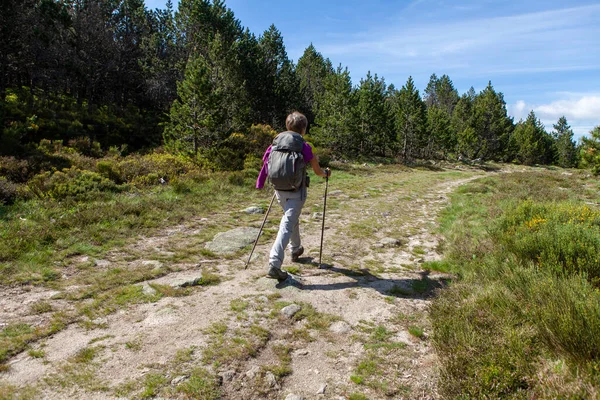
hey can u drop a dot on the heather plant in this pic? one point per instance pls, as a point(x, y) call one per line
point(71, 182)
point(525, 311)
point(563, 238)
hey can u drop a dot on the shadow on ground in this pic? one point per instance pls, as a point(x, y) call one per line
point(422, 288)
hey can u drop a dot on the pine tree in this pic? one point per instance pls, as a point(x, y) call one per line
point(410, 120)
point(335, 123)
point(490, 125)
point(375, 132)
point(196, 116)
point(532, 143)
point(312, 69)
point(280, 86)
point(462, 119)
point(590, 150)
point(441, 97)
point(565, 146)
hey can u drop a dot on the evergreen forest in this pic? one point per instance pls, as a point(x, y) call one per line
point(96, 75)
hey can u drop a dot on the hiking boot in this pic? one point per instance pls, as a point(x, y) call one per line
point(296, 254)
point(277, 273)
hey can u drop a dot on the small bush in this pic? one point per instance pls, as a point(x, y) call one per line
point(15, 170)
point(237, 178)
point(223, 158)
point(70, 182)
point(8, 191)
point(564, 238)
point(85, 146)
point(259, 138)
point(109, 170)
point(150, 168)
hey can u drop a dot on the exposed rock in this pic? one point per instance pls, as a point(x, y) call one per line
point(404, 337)
point(177, 380)
point(228, 375)
point(271, 380)
point(148, 290)
point(340, 327)
point(322, 389)
point(229, 242)
point(292, 396)
point(153, 263)
point(180, 279)
point(254, 210)
point(251, 374)
point(301, 352)
point(102, 263)
point(291, 310)
point(263, 299)
point(389, 242)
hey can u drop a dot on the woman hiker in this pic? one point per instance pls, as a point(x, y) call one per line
point(288, 149)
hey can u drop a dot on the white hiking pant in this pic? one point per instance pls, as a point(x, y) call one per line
point(289, 228)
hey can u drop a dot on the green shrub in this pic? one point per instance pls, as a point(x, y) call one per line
point(523, 318)
point(567, 317)
point(237, 178)
point(14, 169)
point(109, 170)
point(85, 146)
point(561, 237)
point(70, 182)
point(223, 158)
point(149, 169)
point(253, 163)
point(259, 137)
point(485, 351)
point(8, 191)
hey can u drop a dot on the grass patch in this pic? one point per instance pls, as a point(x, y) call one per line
point(376, 369)
point(227, 346)
point(357, 396)
point(284, 367)
point(41, 307)
point(416, 331)
point(518, 322)
point(36, 353)
point(153, 383)
point(316, 320)
point(292, 269)
point(238, 305)
point(200, 385)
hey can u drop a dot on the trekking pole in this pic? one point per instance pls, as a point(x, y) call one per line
point(260, 231)
point(324, 207)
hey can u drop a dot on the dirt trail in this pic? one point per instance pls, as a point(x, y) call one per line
point(364, 328)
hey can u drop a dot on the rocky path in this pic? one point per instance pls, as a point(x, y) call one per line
point(356, 329)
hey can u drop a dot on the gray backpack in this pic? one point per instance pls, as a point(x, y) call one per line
point(286, 166)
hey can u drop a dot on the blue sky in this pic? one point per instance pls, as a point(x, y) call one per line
point(542, 55)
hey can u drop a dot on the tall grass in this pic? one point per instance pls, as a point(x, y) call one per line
point(523, 319)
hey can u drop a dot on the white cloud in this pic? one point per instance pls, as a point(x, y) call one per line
point(582, 112)
point(587, 107)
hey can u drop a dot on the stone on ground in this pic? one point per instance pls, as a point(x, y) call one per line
point(226, 243)
point(291, 310)
point(340, 327)
point(180, 279)
point(254, 210)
